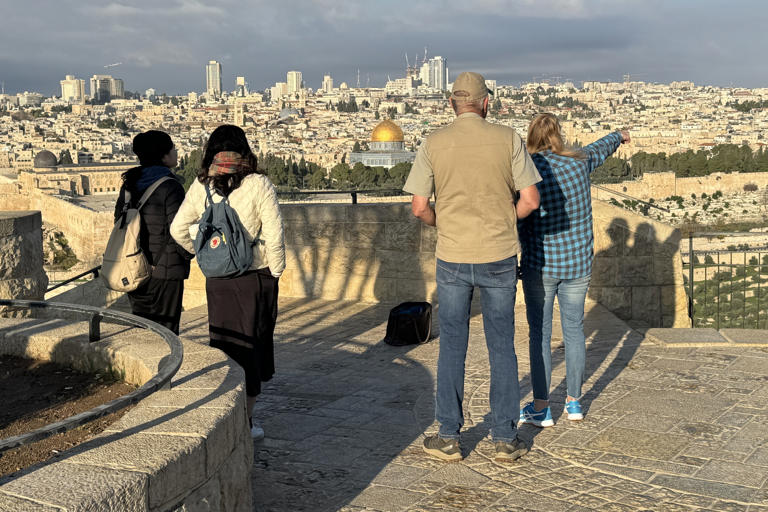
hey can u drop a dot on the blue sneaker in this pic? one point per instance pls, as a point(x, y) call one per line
point(573, 408)
point(542, 418)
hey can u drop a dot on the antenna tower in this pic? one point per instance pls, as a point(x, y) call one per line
point(358, 78)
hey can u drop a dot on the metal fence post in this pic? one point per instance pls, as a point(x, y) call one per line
point(94, 328)
point(690, 277)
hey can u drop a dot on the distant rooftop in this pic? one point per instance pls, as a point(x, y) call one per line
point(98, 203)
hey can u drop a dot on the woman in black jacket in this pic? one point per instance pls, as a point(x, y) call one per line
point(159, 299)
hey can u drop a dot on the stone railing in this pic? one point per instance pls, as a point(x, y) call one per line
point(21, 256)
point(381, 253)
point(183, 448)
point(366, 252)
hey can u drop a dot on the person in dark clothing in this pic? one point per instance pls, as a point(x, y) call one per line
point(159, 299)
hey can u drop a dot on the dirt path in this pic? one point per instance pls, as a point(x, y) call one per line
point(36, 393)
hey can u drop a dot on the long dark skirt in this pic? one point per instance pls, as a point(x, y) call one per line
point(241, 321)
point(159, 300)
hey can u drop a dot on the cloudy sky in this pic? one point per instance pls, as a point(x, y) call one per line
point(165, 44)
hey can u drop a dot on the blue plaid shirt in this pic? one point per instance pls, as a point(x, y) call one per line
point(557, 239)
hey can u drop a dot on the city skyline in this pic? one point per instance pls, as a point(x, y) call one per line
point(164, 47)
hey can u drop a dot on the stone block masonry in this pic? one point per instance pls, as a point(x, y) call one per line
point(21, 256)
point(660, 185)
point(638, 271)
point(186, 447)
point(381, 253)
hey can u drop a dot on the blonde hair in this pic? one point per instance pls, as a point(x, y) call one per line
point(544, 134)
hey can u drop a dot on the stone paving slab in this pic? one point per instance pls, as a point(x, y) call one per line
point(687, 337)
point(668, 430)
point(756, 337)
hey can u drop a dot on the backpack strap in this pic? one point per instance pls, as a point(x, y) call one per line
point(208, 193)
point(150, 190)
point(126, 206)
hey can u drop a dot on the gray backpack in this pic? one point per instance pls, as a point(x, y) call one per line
point(125, 267)
point(222, 248)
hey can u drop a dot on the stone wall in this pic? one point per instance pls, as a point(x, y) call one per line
point(638, 271)
point(381, 253)
point(371, 253)
point(661, 185)
point(21, 256)
point(184, 448)
point(86, 230)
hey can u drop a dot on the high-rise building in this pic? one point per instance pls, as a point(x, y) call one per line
point(117, 88)
point(241, 86)
point(424, 74)
point(279, 90)
point(72, 89)
point(104, 88)
point(491, 84)
point(327, 84)
point(294, 82)
point(213, 79)
point(438, 73)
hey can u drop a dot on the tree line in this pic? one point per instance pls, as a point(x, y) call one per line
point(721, 158)
point(747, 106)
point(290, 174)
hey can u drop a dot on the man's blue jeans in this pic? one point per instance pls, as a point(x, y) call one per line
point(455, 285)
point(540, 292)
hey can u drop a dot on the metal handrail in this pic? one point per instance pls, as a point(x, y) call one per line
point(393, 191)
point(94, 271)
point(167, 368)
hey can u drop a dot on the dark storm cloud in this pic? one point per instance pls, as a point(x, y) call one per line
point(165, 45)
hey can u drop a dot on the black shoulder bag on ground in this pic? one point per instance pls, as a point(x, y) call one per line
point(409, 323)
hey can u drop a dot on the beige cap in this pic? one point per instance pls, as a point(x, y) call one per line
point(469, 86)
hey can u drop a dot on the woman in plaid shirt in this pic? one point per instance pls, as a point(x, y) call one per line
point(557, 250)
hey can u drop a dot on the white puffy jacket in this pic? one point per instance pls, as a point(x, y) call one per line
point(255, 202)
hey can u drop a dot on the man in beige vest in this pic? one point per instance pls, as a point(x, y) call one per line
point(475, 170)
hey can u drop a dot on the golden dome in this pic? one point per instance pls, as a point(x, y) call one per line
point(387, 131)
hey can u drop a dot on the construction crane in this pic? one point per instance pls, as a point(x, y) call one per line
point(112, 65)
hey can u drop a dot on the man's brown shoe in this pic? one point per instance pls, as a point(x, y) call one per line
point(444, 449)
point(507, 452)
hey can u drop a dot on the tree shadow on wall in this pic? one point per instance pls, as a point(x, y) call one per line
point(343, 405)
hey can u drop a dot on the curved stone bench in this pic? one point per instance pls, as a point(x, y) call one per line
point(183, 448)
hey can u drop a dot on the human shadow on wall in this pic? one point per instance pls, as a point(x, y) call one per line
point(342, 405)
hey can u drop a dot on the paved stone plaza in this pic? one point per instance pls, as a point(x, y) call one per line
point(667, 426)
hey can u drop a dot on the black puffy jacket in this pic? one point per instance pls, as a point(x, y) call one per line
point(169, 259)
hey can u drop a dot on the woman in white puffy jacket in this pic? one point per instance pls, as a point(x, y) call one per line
point(241, 310)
